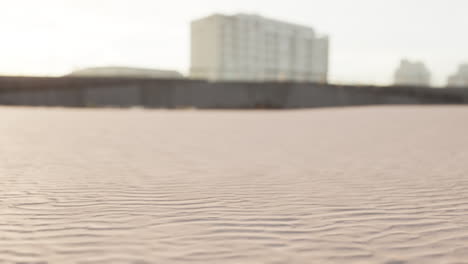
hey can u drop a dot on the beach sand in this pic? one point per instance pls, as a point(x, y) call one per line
point(340, 185)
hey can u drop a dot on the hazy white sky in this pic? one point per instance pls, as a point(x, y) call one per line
point(368, 37)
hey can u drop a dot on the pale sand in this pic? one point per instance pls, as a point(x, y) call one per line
point(352, 185)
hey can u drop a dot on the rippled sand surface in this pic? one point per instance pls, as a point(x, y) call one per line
point(353, 185)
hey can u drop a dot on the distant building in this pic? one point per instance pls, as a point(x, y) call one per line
point(254, 48)
point(412, 73)
point(126, 72)
point(459, 79)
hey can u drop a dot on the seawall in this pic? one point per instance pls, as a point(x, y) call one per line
point(156, 93)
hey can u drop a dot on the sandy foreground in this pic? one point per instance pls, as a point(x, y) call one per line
point(351, 185)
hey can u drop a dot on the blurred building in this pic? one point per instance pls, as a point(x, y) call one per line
point(412, 73)
point(459, 79)
point(126, 72)
point(254, 48)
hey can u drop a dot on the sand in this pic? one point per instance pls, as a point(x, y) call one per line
point(351, 185)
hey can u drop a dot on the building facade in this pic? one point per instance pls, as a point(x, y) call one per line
point(413, 74)
point(253, 48)
point(459, 79)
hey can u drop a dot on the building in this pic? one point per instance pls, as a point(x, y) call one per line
point(254, 48)
point(459, 79)
point(413, 74)
point(126, 72)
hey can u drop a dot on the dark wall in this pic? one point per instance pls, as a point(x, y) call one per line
point(124, 92)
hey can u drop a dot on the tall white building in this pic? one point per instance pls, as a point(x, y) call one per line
point(459, 79)
point(254, 48)
point(412, 73)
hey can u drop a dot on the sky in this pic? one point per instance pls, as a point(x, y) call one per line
point(368, 37)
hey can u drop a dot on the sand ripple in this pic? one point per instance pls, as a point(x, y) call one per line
point(364, 185)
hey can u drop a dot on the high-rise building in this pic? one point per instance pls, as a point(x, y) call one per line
point(254, 48)
point(412, 73)
point(459, 79)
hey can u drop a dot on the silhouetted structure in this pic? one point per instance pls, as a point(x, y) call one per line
point(126, 72)
point(412, 73)
point(253, 48)
point(155, 93)
point(459, 79)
